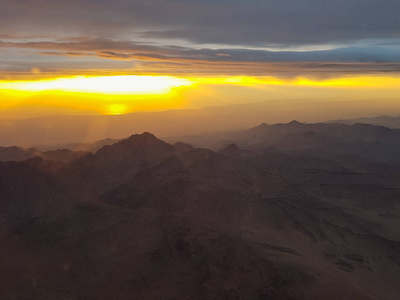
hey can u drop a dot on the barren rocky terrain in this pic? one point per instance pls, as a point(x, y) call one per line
point(287, 211)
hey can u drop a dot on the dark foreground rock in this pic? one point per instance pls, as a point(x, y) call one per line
point(143, 219)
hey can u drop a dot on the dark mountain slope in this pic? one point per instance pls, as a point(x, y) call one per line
point(27, 194)
point(114, 164)
point(172, 222)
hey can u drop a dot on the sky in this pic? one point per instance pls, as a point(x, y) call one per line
point(121, 56)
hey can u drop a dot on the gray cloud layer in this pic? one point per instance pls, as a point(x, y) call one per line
point(250, 22)
point(130, 50)
point(143, 32)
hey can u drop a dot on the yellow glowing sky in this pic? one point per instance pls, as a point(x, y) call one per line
point(110, 85)
point(116, 57)
point(120, 94)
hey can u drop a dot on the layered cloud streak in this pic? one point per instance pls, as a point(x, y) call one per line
point(252, 37)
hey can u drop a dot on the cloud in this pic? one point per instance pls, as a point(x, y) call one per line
point(201, 62)
point(209, 36)
point(233, 22)
point(131, 50)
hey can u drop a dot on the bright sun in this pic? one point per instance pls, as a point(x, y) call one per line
point(117, 109)
point(116, 85)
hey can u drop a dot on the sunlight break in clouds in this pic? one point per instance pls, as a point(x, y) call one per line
point(115, 85)
point(133, 93)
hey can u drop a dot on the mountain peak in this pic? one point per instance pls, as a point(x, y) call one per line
point(144, 135)
point(262, 126)
point(231, 147)
point(294, 122)
point(144, 139)
point(232, 151)
point(136, 142)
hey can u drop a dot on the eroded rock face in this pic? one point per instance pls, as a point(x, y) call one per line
point(142, 219)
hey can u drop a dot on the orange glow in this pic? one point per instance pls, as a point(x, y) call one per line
point(162, 85)
point(134, 93)
point(362, 81)
point(114, 85)
point(359, 81)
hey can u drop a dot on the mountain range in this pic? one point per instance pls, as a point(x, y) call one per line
point(387, 121)
point(53, 132)
point(285, 211)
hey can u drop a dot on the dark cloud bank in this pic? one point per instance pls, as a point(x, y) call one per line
point(161, 32)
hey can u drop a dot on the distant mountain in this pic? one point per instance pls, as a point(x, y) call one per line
point(20, 154)
point(90, 147)
point(289, 211)
point(63, 130)
point(390, 122)
point(375, 143)
point(17, 153)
